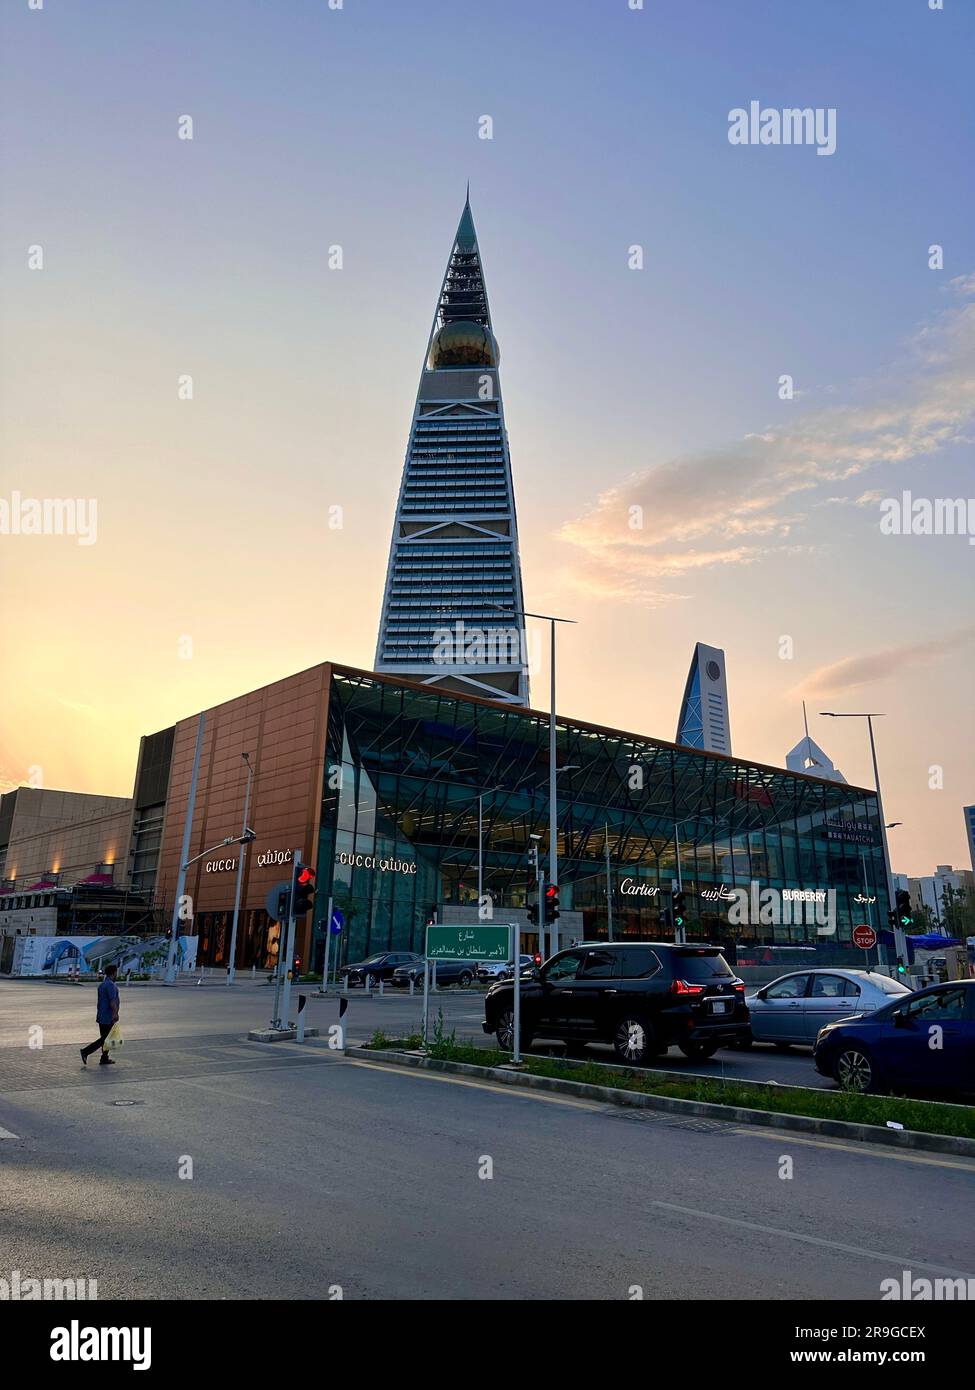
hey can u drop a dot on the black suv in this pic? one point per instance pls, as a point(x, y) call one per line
point(641, 997)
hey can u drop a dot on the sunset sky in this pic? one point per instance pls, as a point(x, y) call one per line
point(655, 388)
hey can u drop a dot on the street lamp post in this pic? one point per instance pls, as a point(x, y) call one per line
point(900, 938)
point(553, 806)
point(232, 967)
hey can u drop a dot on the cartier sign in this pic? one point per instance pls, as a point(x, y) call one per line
point(643, 890)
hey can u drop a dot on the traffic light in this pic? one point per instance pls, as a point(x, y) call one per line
point(284, 902)
point(551, 904)
point(304, 891)
point(905, 917)
point(533, 914)
point(677, 898)
point(892, 919)
point(901, 967)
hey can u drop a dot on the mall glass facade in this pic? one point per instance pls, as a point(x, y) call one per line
point(404, 770)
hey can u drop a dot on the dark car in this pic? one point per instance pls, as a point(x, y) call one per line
point(449, 972)
point(642, 997)
point(922, 1041)
point(378, 967)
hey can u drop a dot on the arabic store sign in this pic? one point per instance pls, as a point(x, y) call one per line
point(267, 856)
point(372, 861)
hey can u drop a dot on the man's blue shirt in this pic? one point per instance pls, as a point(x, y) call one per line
point(107, 1001)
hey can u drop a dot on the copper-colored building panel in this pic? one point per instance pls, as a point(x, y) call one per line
point(282, 728)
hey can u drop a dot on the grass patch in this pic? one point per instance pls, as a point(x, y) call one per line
point(921, 1116)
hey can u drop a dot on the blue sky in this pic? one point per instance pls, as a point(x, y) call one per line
point(358, 127)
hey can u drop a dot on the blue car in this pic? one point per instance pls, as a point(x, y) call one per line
point(921, 1041)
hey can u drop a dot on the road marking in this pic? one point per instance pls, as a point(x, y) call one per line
point(520, 1093)
point(5, 1134)
point(904, 1261)
point(863, 1150)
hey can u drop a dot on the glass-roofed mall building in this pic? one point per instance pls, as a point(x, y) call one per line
point(395, 790)
point(407, 786)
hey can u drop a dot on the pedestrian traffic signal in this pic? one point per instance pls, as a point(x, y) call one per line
point(284, 902)
point(533, 914)
point(905, 917)
point(677, 899)
point(551, 904)
point(892, 919)
point(304, 891)
point(901, 967)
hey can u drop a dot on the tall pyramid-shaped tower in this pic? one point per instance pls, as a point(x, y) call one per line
point(453, 601)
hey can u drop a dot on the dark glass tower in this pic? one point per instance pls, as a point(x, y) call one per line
point(454, 572)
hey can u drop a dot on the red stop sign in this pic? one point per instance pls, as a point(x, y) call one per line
point(864, 936)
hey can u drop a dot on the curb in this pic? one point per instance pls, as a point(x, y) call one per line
point(611, 1095)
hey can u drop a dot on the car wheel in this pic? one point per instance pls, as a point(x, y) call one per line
point(854, 1071)
point(465, 979)
point(633, 1040)
point(505, 1032)
point(698, 1051)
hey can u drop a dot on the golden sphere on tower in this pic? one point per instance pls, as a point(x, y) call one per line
point(463, 343)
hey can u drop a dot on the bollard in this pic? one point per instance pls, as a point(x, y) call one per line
point(253, 972)
point(381, 983)
point(302, 1001)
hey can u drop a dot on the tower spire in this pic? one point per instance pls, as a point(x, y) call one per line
point(454, 570)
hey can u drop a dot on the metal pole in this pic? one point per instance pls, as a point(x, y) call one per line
point(184, 855)
point(541, 910)
point(679, 934)
point(609, 891)
point(480, 853)
point(553, 810)
point(900, 937)
point(426, 995)
point(516, 957)
point(286, 989)
point(232, 969)
point(328, 943)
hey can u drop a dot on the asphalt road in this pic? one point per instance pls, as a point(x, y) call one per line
point(67, 1013)
point(313, 1173)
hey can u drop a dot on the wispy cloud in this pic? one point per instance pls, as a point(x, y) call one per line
point(856, 671)
point(725, 506)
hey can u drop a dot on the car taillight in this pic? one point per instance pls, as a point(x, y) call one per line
point(682, 987)
point(740, 987)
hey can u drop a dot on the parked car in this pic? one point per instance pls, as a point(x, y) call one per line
point(793, 1008)
point(377, 967)
point(641, 997)
point(894, 1048)
point(489, 970)
point(526, 964)
point(449, 972)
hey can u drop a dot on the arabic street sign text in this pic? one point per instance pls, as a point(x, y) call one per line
point(468, 943)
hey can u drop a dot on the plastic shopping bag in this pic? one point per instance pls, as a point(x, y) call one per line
point(114, 1038)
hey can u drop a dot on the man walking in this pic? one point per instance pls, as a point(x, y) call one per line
point(106, 1017)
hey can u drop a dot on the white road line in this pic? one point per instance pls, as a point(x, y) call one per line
point(5, 1134)
point(904, 1261)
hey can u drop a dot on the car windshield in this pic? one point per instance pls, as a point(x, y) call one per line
point(374, 960)
point(701, 965)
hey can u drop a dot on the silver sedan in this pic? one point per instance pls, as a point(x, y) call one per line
point(793, 1008)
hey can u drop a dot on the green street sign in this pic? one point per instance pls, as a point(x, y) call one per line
point(468, 943)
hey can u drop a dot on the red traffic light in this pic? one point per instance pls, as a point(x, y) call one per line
point(304, 891)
